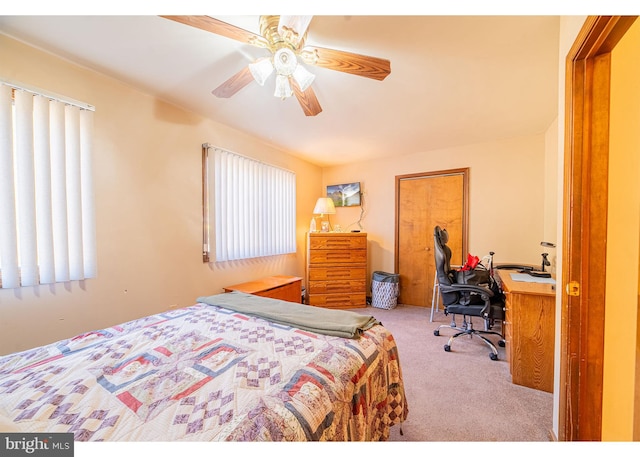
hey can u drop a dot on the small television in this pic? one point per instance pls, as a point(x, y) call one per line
point(345, 194)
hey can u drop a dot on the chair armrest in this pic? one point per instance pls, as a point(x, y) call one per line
point(466, 288)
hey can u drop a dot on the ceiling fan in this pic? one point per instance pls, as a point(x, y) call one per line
point(284, 37)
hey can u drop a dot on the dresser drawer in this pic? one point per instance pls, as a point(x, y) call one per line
point(319, 273)
point(317, 256)
point(337, 286)
point(352, 300)
point(338, 242)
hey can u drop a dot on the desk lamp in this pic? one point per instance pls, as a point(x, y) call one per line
point(545, 261)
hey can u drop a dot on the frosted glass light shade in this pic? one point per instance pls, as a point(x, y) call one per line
point(324, 206)
point(303, 77)
point(283, 88)
point(261, 70)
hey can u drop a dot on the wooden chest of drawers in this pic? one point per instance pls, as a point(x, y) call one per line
point(336, 275)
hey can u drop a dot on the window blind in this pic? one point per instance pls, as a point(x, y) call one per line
point(253, 208)
point(47, 232)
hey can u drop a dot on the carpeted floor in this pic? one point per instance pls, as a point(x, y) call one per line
point(460, 395)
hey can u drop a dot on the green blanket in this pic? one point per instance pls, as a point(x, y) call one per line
point(335, 322)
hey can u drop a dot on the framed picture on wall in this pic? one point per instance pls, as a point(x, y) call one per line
point(345, 194)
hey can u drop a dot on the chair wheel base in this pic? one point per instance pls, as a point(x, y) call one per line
point(501, 343)
point(436, 332)
point(447, 348)
point(493, 356)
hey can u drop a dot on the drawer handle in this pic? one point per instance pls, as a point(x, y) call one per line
point(337, 274)
point(337, 299)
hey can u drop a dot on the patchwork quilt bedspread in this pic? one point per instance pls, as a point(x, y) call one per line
point(206, 373)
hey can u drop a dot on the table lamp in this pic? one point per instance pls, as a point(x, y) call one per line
point(324, 206)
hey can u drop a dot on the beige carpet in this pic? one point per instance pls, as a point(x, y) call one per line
point(460, 395)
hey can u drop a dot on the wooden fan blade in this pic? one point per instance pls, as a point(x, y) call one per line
point(233, 84)
point(349, 62)
point(307, 99)
point(219, 27)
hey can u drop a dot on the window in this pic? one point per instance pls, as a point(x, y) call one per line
point(253, 207)
point(47, 232)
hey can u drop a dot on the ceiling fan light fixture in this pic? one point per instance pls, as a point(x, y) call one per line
point(285, 61)
point(283, 88)
point(284, 37)
point(261, 70)
point(303, 77)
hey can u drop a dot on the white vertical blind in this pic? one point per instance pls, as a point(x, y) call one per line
point(59, 192)
point(46, 196)
point(90, 262)
point(254, 208)
point(25, 186)
point(74, 191)
point(8, 225)
point(44, 214)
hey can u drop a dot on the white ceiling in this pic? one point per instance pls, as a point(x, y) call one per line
point(454, 80)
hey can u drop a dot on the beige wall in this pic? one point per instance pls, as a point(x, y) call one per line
point(623, 227)
point(147, 158)
point(506, 214)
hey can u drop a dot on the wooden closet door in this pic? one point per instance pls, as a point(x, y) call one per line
point(422, 202)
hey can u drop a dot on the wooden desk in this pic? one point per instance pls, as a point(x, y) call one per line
point(529, 330)
point(288, 288)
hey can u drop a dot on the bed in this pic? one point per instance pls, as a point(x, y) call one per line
point(232, 367)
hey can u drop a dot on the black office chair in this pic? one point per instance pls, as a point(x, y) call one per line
point(466, 300)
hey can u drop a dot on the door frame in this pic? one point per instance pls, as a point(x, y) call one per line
point(465, 205)
point(588, 70)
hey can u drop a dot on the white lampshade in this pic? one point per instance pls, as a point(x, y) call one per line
point(261, 70)
point(324, 206)
point(303, 77)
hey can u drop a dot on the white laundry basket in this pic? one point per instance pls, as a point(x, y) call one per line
point(385, 288)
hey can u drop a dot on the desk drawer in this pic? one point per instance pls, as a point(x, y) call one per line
point(507, 326)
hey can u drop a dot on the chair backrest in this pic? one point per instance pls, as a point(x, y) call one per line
point(443, 263)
